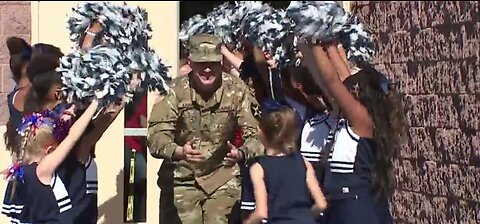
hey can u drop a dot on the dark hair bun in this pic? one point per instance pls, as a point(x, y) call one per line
point(17, 45)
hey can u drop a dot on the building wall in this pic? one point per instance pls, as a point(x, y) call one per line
point(15, 20)
point(432, 50)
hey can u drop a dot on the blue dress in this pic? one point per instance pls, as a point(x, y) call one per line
point(348, 181)
point(12, 206)
point(42, 203)
point(15, 115)
point(90, 214)
point(289, 199)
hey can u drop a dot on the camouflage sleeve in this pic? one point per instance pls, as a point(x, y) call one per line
point(161, 127)
point(248, 113)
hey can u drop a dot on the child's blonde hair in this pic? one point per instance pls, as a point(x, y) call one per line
point(36, 140)
point(280, 128)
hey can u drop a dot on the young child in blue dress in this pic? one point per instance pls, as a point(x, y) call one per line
point(282, 181)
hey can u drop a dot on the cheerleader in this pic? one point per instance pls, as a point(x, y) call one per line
point(22, 57)
point(357, 180)
point(318, 121)
point(282, 182)
point(79, 169)
point(20, 54)
point(35, 173)
point(93, 135)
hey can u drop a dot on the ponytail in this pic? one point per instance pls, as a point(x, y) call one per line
point(32, 103)
point(20, 53)
point(11, 143)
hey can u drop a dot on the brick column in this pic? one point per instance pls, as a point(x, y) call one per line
point(15, 20)
point(432, 50)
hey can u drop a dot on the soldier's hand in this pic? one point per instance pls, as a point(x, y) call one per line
point(233, 157)
point(191, 154)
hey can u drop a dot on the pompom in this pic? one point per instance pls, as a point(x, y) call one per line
point(268, 30)
point(217, 22)
point(15, 172)
point(101, 72)
point(357, 41)
point(242, 12)
point(32, 122)
point(124, 26)
point(317, 21)
point(324, 21)
point(152, 72)
point(195, 25)
point(106, 71)
point(220, 20)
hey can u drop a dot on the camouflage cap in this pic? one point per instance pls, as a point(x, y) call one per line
point(205, 48)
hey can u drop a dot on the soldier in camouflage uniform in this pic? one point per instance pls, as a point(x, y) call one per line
point(190, 128)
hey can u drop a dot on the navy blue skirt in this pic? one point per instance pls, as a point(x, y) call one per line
point(357, 209)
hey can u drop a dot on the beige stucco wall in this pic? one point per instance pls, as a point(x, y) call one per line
point(49, 25)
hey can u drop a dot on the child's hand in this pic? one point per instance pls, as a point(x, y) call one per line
point(318, 209)
point(115, 108)
point(68, 113)
point(272, 63)
point(185, 69)
point(233, 157)
point(135, 83)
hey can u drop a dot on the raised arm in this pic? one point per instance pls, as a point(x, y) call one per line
point(161, 128)
point(309, 62)
point(90, 35)
point(50, 163)
point(231, 58)
point(339, 61)
point(355, 112)
point(100, 125)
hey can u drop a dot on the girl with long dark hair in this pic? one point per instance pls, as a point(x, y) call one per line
point(370, 130)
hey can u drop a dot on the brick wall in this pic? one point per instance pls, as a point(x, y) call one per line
point(15, 20)
point(432, 50)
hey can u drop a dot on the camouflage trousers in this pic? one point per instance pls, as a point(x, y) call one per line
point(187, 203)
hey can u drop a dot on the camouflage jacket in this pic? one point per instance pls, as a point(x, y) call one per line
point(182, 115)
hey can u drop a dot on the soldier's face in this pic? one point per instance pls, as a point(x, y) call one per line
point(206, 73)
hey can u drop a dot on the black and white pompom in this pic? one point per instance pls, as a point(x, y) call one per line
point(124, 26)
point(241, 20)
point(268, 30)
point(101, 73)
point(151, 71)
point(217, 22)
point(357, 41)
point(220, 20)
point(317, 21)
point(194, 25)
